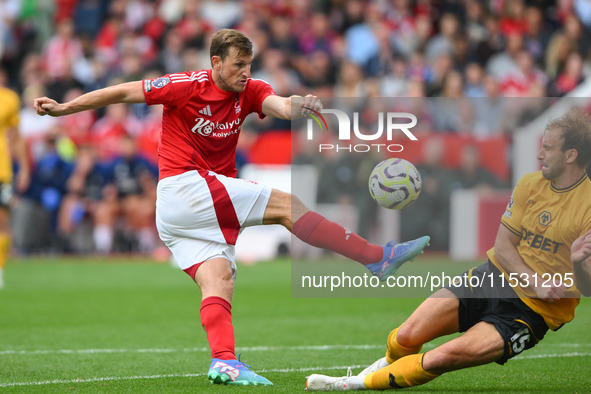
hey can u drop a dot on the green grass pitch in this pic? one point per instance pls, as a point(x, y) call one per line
point(89, 325)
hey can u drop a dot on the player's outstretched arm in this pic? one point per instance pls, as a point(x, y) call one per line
point(280, 107)
point(509, 258)
point(580, 255)
point(129, 92)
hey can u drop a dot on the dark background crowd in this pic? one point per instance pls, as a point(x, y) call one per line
point(94, 173)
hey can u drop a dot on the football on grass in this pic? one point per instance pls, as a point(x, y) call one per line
point(395, 183)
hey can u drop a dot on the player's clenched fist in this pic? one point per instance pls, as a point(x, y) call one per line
point(46, 106)
point(310, 103)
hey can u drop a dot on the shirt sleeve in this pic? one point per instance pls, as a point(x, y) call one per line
point(514, 211)
point(165, 90)
point(259, 90)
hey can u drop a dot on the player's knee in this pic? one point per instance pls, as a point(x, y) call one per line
point(408, 336)
point(217, 286)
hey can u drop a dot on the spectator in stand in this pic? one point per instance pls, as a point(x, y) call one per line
point(474, 86)
point(170, 57)
point(411, 31)
point(513, 20)
point(84, 190)
point(442, 43)
point(319, 37)
point(561, 45)
point(221, 13)
point(493, 43)
point(452, 113)
point(49, 179)
point(437, 72)
point(471, 174)
point(504, 63)
point(537, 33)
point(474, 23)
point(130, 175)
point(489, 111)
point(62, 51)
point(519, 82)
point(570, 77)
point(109, 131)
point(350, 82)
point(395, 84)
point(88, 16)
point(573, 29)
point(361, 39)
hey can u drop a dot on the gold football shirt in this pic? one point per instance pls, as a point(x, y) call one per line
point(548, 220)
point(9, 118)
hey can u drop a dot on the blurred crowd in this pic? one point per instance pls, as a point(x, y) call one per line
point(94, 173)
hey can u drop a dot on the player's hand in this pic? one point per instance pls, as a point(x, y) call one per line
point(551, 293)
point(47, 106)
point(310, 103)
point(580, 250)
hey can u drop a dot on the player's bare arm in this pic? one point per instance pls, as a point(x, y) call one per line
point(19, 151)
point(280, 107)
point(129, 92)
point(509, 258)
point(581, 259)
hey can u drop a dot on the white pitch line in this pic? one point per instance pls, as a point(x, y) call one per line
point(552, 355)
point(190, 350)
point(283, 370)
point(140, 377)
point(241, 349)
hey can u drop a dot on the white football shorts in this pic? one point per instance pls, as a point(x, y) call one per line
point(199, 214)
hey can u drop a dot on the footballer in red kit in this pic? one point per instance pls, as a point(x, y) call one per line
point(202, 122)
point(201, 206)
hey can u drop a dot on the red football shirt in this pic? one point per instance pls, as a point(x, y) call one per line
point(201, 123)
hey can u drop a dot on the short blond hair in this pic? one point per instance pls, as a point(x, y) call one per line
point(575, 127)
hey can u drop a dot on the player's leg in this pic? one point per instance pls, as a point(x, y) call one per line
point(481, 344)
point(199, 223)
point(316, 230)
point(4, 241)
point(214, 278)
point(435, 317)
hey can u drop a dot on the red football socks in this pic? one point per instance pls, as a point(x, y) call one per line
point(216, 319)
point(316, 230)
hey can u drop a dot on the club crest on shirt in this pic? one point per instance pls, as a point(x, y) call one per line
point(545, 218)
point(160, 82)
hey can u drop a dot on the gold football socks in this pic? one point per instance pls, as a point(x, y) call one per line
point(405, 372)
point(396, 351)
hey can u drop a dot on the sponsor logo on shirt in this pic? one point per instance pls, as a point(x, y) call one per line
point(538, 241)
point(160, 82)
point(207, 128)
point(205, 111)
